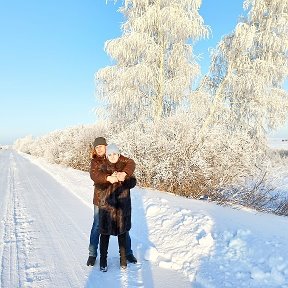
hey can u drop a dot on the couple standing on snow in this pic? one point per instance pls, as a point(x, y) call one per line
point(113, 178)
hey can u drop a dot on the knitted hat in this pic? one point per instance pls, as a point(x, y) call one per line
point(112, 148)
point(99, 141)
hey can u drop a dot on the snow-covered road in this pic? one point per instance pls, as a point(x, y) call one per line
point(46, 214)
point(45, 230)
point(41, 229)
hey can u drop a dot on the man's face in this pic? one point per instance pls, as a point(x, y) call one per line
point(100, 150)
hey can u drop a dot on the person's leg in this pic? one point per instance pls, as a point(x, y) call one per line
point(122, 249)
point(104, 243)
point(129, 253)
point(94, 238)
point(128, 244)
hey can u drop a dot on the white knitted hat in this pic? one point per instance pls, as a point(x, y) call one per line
point(112, 148)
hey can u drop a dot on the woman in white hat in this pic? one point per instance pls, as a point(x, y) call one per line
point(116, 180)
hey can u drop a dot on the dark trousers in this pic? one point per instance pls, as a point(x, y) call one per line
point(104, 243)
point(94, 236)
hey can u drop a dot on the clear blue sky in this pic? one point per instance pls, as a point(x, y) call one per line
point(50, 50)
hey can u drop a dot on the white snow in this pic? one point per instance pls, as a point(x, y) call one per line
point(46, 215)
point(278, 143)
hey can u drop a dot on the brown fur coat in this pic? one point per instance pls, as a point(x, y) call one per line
point(114, 199)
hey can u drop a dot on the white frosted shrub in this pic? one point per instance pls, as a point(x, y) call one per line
point(24, 144)
point(170, 157)
point(227, 166)
point(52, 154)
point(69, 147)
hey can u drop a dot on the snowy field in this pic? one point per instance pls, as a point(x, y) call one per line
point(278, 143)
point(46, 215)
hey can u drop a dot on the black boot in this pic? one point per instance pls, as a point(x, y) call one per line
point(131, 258)
point(104, 242)
point(103, 264)
point(91, 261)
point(122, 250)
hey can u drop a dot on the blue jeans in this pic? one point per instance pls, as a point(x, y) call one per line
point(94, 236)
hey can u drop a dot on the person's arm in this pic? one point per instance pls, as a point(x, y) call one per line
point(113, 178)
point(128, 168)
point(100, 176)
point(130, 182)
point(96, 174)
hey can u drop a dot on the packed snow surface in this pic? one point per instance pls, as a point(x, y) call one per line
point(46, 216)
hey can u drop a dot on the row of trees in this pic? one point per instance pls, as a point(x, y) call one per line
point(155, 71)
point(195, 135)
point(156, 80)
point(168, 158)
point(70, 147)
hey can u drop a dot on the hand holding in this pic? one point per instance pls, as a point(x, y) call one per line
point(112, 179)
point(121, 176)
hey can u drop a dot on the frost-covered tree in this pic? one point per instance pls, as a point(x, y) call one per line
point(249, 69)
point(70, 147)
point(154, 65)
point(23, 144)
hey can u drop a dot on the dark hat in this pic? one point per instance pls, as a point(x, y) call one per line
point(99, 141)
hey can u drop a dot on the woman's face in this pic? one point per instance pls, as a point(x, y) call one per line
point(113, 157)
point(100, 150)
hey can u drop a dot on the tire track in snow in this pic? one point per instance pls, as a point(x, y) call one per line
point(17, 235)
point(9, 251)
point(5, 192)
point(40, 238)
point(58, 225)
point(60, 233)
